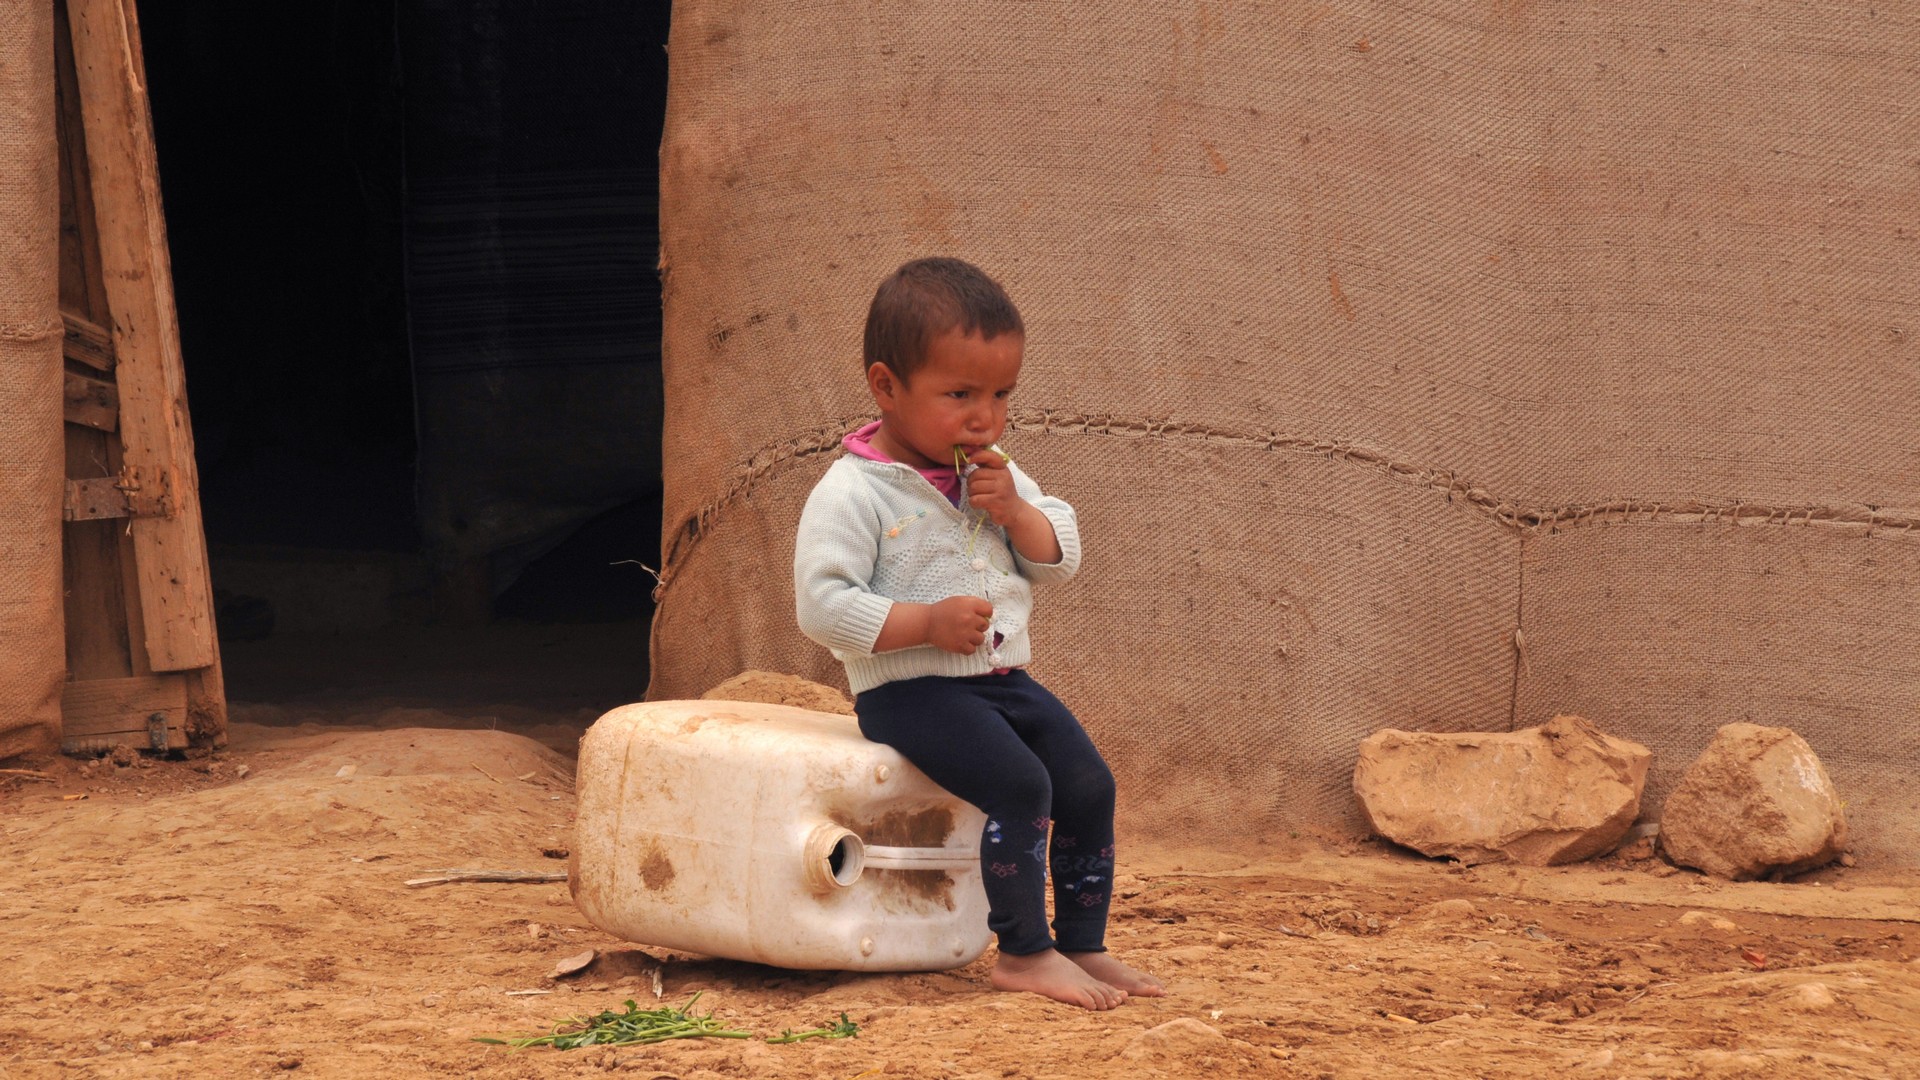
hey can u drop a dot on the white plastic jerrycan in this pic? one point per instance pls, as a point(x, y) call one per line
point(772, 834)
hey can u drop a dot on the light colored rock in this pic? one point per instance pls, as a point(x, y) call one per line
point(1810, 997)
point(1709, 920)
point(1756, 802)
point(773, 689)
point(1447, 911)
point(1182, 1039)
point(1552, 794)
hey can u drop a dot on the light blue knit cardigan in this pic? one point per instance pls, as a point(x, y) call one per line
point(877, 532)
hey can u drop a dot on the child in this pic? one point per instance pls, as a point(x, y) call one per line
point(913, 564)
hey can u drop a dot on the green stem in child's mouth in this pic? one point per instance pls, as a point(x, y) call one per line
point(960, 455)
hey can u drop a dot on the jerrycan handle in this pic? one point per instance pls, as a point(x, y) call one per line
point(835, 857)
point(921, 858)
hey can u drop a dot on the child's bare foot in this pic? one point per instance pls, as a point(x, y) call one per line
point(1054, 976)
point(1107, 969)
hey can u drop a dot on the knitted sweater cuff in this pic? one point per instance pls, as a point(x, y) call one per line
point(1065, 530)
point(859, 625)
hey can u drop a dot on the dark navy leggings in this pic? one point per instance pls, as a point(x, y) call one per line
point(1006, 745)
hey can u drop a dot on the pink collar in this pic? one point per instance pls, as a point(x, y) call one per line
point(944, 478)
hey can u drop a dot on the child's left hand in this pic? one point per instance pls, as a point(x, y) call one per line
point(990, 487)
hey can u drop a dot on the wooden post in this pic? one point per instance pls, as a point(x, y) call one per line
point(169, 548)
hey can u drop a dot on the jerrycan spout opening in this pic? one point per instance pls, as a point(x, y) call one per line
point(834, 856)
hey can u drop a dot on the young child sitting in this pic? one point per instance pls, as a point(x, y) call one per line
point(914, 563)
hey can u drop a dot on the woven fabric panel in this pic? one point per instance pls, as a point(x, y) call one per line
point(1508, 270)
point(1662, 633)
point(32, 462)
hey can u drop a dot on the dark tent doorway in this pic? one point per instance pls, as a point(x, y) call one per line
point(414, 250)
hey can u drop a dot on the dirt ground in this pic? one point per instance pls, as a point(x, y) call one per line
point(246, 914)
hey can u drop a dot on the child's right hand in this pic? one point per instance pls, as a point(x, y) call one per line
point(959, 624)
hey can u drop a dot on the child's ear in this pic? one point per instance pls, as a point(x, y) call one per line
point(884, 384)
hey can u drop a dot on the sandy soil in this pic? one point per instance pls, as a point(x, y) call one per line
point(183, 919)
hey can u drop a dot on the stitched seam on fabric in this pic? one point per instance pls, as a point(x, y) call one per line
point(825, 438)
point(822, 439)
point(32, 331)
point(1518, 637)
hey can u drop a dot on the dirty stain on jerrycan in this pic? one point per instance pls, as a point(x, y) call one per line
point(772, 834)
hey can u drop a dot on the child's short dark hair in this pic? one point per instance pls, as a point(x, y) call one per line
point(926, 298)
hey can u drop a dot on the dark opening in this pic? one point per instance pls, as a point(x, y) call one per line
point(339, 178)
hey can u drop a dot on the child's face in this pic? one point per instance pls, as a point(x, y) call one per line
point(957, 398)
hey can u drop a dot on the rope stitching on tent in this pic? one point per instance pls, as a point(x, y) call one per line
point(825, 438)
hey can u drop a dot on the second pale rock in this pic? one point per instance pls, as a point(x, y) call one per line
point(1757, 801)
point(1546, 795)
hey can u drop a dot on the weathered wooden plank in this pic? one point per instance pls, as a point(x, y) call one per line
point(207, 705)
point(81, 291)
point(87, 341)
point(92, 554)
point(105, 712)
point(170, 551)
point(91, 402)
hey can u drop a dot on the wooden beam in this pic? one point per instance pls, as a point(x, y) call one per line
point(99, 558)
point(87, 341)
point(108, 712)
point(170, 551)
point(81, 291)
point(207, 705)
point(92, 402)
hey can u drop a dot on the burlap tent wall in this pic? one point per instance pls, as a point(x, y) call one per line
point(1419, 365)
point(32, 646)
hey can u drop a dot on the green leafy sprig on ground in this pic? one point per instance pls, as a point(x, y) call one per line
point(845, 1029)
point(638, 1026)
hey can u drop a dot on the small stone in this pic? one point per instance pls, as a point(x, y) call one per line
point(1225, 940)
point(1810, 997)
point(287, 1063)
point(432, 1001)
point(1756, 802)
point(1711, 921)
point(143, 1046)
point(536, 931)
point(573, 965)
point(240, 772)
point(1447, 911)
point(1185, 1039)
point(1847, 859)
